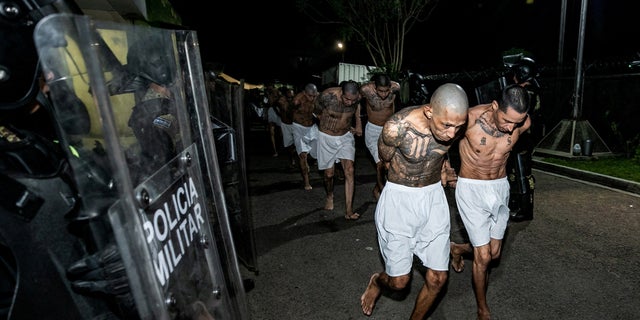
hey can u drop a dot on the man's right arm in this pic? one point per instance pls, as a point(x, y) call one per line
point(318, 106)
point(386, 142)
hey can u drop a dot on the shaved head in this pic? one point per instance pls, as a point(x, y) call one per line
point(311, 88)
point(450, 97)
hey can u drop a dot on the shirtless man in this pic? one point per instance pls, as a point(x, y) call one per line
point(482, 191)
point(379, 97)
point(335, 108)
point(285, 102)
point(273, 117)
point(280, 115)
point(305, 131)
point(412, 215)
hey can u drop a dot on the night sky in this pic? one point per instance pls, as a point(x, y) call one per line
point(265, 40)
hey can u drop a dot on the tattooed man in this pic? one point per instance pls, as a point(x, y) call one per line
point(335, 108)
point(379, 96)
point(305, 130)
point(482, 191)
point(412, 215)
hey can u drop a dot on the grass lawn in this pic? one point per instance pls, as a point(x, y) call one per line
point(619, 167)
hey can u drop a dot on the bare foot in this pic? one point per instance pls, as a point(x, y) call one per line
point(352, 216)
point(309, 187)
point(370, 295)
point(328, 204)
point(484, 314)
point(457, 262)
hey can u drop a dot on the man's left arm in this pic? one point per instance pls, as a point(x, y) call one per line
point(395, 91)
point(395, 87)
point(318, 105)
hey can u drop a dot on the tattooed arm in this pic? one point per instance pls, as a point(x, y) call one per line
point(386, 148)
point(318, 106)
point(358, 128)
point(389, 141)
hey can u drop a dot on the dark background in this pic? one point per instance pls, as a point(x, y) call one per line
point(268, 40)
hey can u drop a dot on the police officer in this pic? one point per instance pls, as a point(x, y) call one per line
point(524, 73)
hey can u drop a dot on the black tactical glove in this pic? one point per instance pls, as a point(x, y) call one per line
point(103, 274)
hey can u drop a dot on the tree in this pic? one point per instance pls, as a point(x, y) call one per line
point(380, 25)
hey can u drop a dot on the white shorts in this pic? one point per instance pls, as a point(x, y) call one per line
point(305, 139)
point(333, 148)
point(413, 221)
point(272, 116)
point(484, 208)
point(371, 134)
point(287, 134)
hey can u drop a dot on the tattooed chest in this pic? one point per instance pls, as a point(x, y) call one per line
point(377, 104)
point(417, 147)
point(491, 142)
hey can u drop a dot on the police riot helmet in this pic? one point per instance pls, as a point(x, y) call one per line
point(525, 70)
point(148, 59)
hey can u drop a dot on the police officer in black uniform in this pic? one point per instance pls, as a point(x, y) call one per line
point(57, 260)
point(525, 73)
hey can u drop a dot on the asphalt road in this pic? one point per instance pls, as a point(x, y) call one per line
point(579, 258)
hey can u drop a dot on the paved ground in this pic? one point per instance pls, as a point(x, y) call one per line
point(579, 258)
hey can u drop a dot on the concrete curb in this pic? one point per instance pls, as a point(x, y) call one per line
point(612, 182)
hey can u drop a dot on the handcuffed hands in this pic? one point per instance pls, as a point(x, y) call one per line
point(448, 175)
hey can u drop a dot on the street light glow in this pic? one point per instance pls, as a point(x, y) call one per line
point(340, 45)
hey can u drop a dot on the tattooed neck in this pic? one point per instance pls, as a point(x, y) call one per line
point(488, 128)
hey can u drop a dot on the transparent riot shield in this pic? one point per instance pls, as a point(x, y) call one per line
point(133, 117)
point(228, 114)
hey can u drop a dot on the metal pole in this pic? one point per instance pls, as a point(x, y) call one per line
point(563, 22)
point(577, 101)
point(560, 65)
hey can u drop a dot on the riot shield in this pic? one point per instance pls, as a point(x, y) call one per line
point(144, 161)
point(226, 102)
